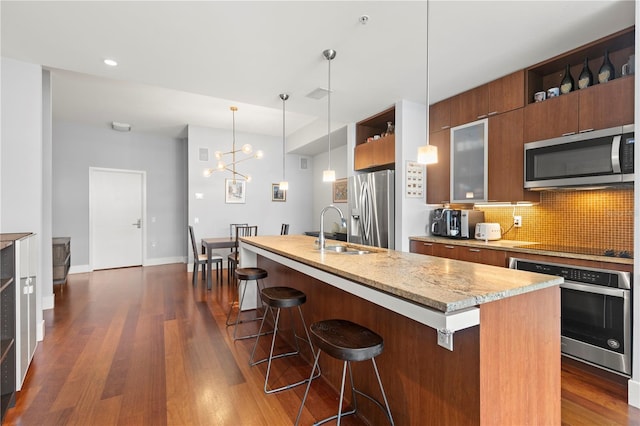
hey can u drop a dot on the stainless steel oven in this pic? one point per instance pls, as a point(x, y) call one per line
point(595, 312)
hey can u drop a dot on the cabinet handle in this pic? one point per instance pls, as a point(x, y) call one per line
point(474, 250)
point(568, 133)
point(444, 127)
point(482, 116)
point(449, 247)
point(493, 113)
point(427, 244)
point(586, 130)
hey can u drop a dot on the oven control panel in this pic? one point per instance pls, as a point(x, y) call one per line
point(578, 274)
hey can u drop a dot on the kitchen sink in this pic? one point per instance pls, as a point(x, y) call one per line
point(345, 250)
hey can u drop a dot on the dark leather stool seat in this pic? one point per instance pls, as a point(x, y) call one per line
point(250, 274)
point(245, 275)
point(347, 341)
point(278, 298)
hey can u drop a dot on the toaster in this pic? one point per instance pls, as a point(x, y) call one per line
point(488, 231)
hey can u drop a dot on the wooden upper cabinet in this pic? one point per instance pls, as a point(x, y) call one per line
point(379, 153)
point(384, 151)
point(606, 105)
point(496, 97)
point(438, 175)
point(440, 116)
point(597, 107)
point(363, 156)
point(506, 93)
point(552, 118)
point(506, 158)
point(470, 106)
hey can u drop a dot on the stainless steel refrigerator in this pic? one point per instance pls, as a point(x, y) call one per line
point(372, 209)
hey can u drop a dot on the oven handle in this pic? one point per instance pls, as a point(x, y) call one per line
point(607, 291)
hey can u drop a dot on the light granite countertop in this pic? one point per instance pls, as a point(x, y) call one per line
point(442, 284)
point(516, 247)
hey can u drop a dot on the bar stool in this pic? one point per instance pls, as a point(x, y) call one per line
point(246, 275)
point(347, 341)
point(278, 298)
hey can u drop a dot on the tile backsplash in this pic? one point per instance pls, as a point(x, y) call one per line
point(600, 219)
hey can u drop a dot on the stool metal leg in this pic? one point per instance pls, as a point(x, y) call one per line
point(306, 392)
point(384, 396)
point(238, 321)
point(271, 357)
point(354, 391)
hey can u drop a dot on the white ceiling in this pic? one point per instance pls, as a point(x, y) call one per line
point(184, 62)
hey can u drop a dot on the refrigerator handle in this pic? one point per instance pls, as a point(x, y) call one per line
point(365, 211)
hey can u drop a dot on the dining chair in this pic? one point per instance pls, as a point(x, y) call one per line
point(201, 259)
point(284, 229)
point(232, 228)
point(233, 259)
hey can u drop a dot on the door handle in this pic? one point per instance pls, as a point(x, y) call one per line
point(138, 223)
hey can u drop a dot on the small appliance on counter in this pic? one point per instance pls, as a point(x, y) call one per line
point(455, 223)
point(488, 231)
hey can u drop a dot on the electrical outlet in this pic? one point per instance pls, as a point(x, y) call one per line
point(517, 221)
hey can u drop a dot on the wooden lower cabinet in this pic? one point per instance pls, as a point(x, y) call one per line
point(421, 247)
point(449, 251)
point(485, 256)
point(457, 252)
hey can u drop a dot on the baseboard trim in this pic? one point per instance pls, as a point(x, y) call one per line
point(48, 301)
point(165, 260)
point(79, 269)
point(40, 331)
point(634, 393)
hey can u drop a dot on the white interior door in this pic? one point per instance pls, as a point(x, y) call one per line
point(117, 213)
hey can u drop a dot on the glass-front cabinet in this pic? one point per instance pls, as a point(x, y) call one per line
point(469, 157)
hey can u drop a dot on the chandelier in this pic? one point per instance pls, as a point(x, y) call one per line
point(231, 167)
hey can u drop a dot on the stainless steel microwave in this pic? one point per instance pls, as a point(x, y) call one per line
point(601, 157)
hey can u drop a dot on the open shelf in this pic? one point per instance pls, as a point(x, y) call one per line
point(547, 74)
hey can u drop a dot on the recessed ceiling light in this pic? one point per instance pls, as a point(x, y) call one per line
point(111, 62)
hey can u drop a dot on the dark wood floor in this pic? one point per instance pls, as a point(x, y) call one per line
point(141, 346)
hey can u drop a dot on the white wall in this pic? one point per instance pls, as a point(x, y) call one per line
point(323, 191)
point(215, 215)
point(411, 132)
point(77, 147)
point(634, 383)
point(46, 255)
point(21, 167)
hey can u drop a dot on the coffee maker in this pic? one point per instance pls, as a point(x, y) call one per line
point(455, 223)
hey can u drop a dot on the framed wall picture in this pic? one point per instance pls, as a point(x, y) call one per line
point(277, 194)
point(340, 191)
point(235, 191)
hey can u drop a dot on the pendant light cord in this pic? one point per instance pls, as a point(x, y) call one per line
point(284, 98)
point(329, 113)
point(233, 143)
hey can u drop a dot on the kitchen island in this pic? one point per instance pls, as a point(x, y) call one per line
point(464, 343)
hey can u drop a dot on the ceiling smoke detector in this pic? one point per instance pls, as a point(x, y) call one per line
point(364, 19)
point(120, 127)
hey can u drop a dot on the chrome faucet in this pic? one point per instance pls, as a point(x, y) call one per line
point(321, 239)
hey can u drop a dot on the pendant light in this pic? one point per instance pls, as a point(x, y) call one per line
point(284, 185)
point(329, 175)
point(427, 154)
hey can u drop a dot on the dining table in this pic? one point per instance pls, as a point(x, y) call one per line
point(209, 244)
